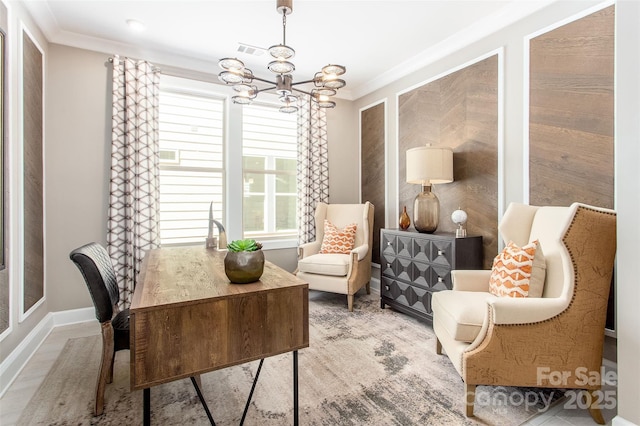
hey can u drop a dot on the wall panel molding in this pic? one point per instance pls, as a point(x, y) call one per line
point(373, 167)
point(32, 111)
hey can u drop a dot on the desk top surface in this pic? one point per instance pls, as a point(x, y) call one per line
point(182, 275)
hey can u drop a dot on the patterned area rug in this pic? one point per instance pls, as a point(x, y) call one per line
point(367, 367)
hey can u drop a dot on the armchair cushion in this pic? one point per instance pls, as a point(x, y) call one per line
point(334, 264)
point(461, 313)
point(518, 271)
point(338, 240)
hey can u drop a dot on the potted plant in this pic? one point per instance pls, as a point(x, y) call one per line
point(244, 261)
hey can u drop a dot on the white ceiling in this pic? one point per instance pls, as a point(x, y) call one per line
point(378, 41)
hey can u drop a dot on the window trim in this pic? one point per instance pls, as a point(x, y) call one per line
point(232, 169)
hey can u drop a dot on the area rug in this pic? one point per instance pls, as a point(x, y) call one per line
point(368, 367)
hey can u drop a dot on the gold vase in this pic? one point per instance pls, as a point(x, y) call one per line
point(405, 221)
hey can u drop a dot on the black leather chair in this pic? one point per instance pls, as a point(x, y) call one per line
point(95, 265)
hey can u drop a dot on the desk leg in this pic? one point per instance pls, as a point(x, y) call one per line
point(202, 401)
point(295, 388)
point(253, 387)
point(146, 406)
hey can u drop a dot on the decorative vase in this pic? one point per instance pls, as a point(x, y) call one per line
point(404, 219)
point(244, 266)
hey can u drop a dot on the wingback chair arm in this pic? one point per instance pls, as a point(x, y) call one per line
point(470, 280)
point(357, 256)
point(308, 249)
point(514, 310)
point(361, 251)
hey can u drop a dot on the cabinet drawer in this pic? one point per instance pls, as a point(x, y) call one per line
point(396, 267)
point(406, 295)
point(396, 245)
point(431, 276)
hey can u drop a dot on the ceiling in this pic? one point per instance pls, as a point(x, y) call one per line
point(378, 41)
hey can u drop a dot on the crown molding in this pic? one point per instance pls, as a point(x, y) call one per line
point(510, 14)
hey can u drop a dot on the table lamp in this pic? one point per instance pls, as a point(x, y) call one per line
point(428, 165)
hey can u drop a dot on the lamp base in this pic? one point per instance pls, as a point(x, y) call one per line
point(426, 210)
point(211, 243)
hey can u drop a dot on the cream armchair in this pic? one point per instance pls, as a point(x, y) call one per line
point(339, 273)
point(554, 341)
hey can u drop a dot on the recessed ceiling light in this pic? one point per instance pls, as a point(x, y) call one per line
point(136, 25)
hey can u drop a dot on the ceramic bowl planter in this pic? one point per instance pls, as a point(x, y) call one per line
point(244, 262)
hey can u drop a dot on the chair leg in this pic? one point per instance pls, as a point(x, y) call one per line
point(110, 373)
point(470, 397)
point(350, 302)
point(105, 366)
point(594, 407)
point(368, 287)
point(438, 347)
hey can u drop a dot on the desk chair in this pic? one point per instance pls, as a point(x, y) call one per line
point(95, 265)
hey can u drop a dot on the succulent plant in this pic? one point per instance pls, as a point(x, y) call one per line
point(243, 245)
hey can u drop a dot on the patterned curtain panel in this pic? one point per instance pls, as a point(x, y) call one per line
point(313, 165)
point(134, 189)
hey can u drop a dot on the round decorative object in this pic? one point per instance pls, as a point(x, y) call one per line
point(459, 217)
point(405, 221)
point(244, 266)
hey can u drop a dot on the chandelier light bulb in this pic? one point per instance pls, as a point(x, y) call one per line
point(231, 77)
point(231, 64)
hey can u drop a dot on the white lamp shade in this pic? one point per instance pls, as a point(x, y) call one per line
point(427, 165)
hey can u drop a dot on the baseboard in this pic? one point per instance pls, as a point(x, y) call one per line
point(619, 421)
point(15, 362)
point(375, 284)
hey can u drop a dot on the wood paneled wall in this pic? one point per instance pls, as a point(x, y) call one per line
point(571, 113)
point(459, 111)
point(33, 131)
point(372, 161)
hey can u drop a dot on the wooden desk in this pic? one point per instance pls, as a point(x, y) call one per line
point(187, 318)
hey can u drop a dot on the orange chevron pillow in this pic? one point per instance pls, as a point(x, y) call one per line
point(338, 240)
point(518, 271)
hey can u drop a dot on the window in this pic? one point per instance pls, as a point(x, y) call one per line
point(269, 153)
point(191, 164)
point(247, 170)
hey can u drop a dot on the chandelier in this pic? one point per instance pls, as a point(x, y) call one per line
point(325, 82)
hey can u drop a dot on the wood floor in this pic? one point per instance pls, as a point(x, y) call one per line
point(24, 387)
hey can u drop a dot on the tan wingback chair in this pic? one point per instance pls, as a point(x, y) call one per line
point(504, 341)
point(339, 273)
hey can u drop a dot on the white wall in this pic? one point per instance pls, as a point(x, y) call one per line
point(344, 153)
point(77, 166)
point(627, 126)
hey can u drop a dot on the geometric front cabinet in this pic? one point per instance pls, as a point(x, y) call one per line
point(414, 265)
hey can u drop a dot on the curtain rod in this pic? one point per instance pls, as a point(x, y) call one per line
point(155, 67)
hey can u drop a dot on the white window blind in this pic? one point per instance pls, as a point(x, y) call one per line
point(269, 150)
point(191, 165)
